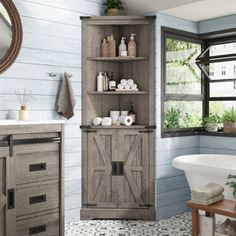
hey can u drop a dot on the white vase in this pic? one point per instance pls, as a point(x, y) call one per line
point(23, 113)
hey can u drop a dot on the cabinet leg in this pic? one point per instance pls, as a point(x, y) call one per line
point(195, 222)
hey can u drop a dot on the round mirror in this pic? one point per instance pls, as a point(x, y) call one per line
point(10, 34)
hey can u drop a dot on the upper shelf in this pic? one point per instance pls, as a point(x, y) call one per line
point(118, 59)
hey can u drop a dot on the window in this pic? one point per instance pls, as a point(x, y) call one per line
point(222, 76)
point(182, 104)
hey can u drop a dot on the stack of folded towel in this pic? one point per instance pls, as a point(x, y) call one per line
point(228, 227)
point(209, 194)
point(127, 85)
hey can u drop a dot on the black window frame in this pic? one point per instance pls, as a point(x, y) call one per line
point(217, 41)
point(167, 32)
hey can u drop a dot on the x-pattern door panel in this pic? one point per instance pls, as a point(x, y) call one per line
point(135, 187)
point(100, 149)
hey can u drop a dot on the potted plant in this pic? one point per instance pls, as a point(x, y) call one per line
point(232, 184)
point(113, 7)
point(211, 123)
point(172, 118)
point(229, 120)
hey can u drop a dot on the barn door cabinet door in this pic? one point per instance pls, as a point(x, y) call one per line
point(118, 169)
point(100, 192)
point(7, 191)
point(134, 187)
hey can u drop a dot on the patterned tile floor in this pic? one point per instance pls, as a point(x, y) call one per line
point(179, 225)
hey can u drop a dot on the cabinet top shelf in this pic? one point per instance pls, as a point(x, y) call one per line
point(118, 59)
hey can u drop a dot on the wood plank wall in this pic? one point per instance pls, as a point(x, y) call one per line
point(172, 190)
point(52, 43)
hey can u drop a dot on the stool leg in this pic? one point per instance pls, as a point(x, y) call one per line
point(195, 222)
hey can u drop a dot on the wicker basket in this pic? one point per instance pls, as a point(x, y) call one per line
point(113, 12)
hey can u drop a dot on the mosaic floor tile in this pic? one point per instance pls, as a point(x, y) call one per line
point(179, 225)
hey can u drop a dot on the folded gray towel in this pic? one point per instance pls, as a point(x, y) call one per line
point(207, 192)
point(208, 201)
point(66, 101)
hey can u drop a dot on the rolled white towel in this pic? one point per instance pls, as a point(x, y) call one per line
point(207, 192)
point(208, 201)
point(126, 87)
point(126, 120)
point(123, 81)
point(130, 82)
point(120, 86)
point(97, 121)
point(134, 86)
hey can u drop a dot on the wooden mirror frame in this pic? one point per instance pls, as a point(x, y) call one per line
point(17, 35)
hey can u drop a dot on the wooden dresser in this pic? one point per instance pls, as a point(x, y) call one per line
point(31, 179)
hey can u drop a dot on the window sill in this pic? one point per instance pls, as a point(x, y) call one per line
point(194, 133)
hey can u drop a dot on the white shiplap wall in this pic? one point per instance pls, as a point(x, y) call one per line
point(51, 43)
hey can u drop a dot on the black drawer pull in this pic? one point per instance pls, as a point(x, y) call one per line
point(37, 167)
point(10, 199)
point(38, 199)
point(37, 229)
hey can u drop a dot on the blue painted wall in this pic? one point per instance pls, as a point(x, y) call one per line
point(51, 43)
point(172, 190)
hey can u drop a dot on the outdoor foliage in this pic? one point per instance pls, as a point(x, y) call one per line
point(232, 184)
point(212, 119)
point(230, 115)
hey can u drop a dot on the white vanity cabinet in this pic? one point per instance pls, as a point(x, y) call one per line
point(31, 180)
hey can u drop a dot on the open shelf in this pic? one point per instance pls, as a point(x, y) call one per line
point(120, 93)
point(118, 59)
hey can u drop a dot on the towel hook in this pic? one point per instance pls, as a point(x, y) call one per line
point(52, 74)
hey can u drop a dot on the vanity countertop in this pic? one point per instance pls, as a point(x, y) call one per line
point(30, 122)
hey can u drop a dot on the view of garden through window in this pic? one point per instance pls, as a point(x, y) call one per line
point(183, 79)
point(222, 78)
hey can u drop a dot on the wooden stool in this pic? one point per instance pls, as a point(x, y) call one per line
point(225, 207)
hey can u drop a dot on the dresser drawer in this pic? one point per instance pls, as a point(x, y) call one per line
point(38, 166)
point(37, 199)
point(47, 225)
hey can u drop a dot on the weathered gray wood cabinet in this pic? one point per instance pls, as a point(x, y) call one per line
point(31, 180)
point(118, 162)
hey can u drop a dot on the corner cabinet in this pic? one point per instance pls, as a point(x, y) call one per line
point(31, 180)
point(118, 161)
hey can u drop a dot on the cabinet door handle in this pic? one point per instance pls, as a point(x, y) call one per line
point(37, 199)
point(10, 199)
point(37, 229)
point(37, 167)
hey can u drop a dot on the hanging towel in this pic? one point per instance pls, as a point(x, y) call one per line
point(209, 191)
point(66, 101)
point(208, 201)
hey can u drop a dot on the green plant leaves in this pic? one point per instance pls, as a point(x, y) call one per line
point(110, 4)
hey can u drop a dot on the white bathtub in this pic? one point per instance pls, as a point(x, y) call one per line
point(202, 169)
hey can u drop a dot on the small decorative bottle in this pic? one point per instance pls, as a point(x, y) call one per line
point(100, 79)
point(23, 100)
point(112, 83)
point(132, 47)
point(112, 46)
point(132, 113)
point(23, 113)
point(104, 48)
